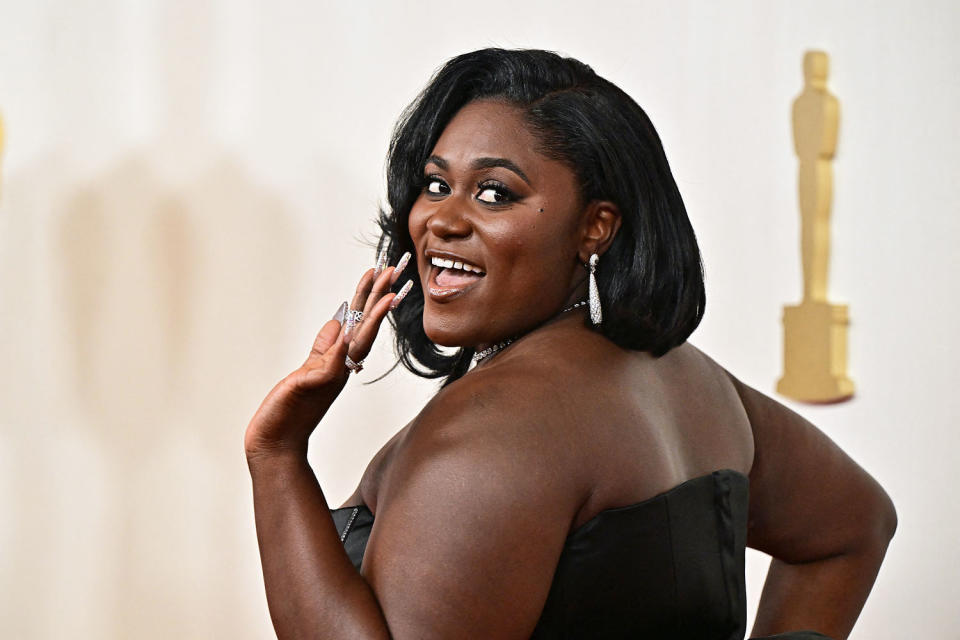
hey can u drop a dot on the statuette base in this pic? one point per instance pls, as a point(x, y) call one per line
point(815, 353)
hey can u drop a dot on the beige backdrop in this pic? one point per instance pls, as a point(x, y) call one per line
point(187, 188)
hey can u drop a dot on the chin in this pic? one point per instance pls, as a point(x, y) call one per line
point(448, 332)
point(444, 338)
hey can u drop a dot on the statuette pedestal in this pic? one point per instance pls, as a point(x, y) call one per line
point(815, 353)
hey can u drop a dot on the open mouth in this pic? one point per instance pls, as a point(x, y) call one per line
point(450, 277)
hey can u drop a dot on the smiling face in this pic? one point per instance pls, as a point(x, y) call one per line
point(497, 229)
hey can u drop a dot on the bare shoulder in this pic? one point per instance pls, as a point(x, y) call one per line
point(366, 491)
point(508, 417)
point(504, 412)
point(475, 481)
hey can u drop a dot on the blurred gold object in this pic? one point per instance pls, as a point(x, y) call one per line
point(815, 331)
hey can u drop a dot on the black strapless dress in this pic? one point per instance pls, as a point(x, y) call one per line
point(670, 567)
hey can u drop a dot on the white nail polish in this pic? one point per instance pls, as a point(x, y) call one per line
point(402, 263)
point(341, 311)
point(381, 262)
point(401, 295)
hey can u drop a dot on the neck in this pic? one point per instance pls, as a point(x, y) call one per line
point(486, 351)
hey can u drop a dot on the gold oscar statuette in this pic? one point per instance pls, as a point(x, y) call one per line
point(815, 331)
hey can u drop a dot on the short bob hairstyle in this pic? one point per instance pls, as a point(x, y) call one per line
point(650, 279)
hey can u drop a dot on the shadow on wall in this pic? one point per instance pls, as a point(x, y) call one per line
point(166, 300)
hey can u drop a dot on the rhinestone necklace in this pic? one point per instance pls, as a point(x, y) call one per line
point(492, 349)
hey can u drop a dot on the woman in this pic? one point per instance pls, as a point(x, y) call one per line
point(588, 477)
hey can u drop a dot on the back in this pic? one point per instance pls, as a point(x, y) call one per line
point(624, 425)
point(639, 425)
point(574, 486)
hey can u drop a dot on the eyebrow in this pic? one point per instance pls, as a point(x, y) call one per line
point(483, 163)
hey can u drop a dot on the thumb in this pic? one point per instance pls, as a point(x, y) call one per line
point(328, 333)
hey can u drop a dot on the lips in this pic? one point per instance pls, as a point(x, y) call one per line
point(451, 275)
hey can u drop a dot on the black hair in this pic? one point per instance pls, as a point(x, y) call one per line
point(650, 279)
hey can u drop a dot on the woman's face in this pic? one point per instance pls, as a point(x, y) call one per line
point(497, 230)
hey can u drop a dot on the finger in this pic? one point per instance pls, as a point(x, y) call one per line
point(361, 340)
point(328, 367)
point(371, 296)
point(359, 300)
point(337, 353)
point(381, 262)
point(383, 283)
point(361, 343)
point(401, 265)
point(381, 287)
point(363, 290)
point(328, 334)
point(374, 286)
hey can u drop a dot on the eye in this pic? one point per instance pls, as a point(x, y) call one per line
point(435, 186)
point(493, 192)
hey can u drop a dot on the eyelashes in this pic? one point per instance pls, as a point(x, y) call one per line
point(499, 192)
point(490, 192)
point(435, 186)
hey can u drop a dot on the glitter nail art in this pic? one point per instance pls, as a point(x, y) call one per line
point(401, 295)
point(401, 264)
point(381, 262)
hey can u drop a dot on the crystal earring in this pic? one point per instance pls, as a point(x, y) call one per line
point(596, 316)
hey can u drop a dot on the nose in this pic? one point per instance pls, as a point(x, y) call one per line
point(450, 220)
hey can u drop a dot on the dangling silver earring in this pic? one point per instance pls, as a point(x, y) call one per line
point(596, 316)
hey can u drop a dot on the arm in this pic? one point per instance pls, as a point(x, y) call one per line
point(312, 588)
point(473, 514)
point(825, 521)
point(471, 520)
point(313, 591)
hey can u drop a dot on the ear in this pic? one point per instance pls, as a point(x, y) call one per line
point(600, 225)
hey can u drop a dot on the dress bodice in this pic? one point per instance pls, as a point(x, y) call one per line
point(669, 567)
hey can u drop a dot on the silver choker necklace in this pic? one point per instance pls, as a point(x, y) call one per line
point(492, 349)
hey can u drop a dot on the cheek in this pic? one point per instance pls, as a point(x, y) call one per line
point(538, 249)
point(417, 227)
point(416, 221)
point(544, 239)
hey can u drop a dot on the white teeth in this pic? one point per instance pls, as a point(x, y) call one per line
point(450, 264)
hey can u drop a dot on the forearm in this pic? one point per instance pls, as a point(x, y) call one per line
point(824, 595)
point(313, 590)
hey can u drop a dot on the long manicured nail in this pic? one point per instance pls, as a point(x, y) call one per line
point(381, 262)
point(401, 295)
point(401, 264)
point(341, 311)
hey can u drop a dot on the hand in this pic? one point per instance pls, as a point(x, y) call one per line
point(292, 409)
